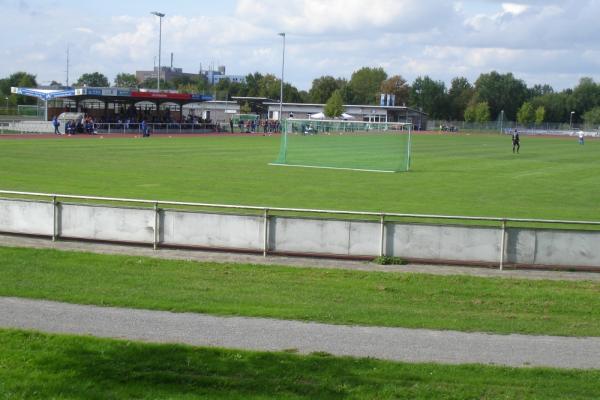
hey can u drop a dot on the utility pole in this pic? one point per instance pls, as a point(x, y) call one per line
point(67, 65)
point(160, 17)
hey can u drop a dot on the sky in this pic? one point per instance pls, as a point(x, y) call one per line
point(540, 41)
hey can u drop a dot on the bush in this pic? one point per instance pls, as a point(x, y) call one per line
point(388, 260)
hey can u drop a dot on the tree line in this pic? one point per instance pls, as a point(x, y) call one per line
point(492, 96)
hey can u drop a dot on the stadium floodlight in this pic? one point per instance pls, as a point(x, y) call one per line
point(350, 145)
point(571, 120)
point(160, 17)
point(282, 34)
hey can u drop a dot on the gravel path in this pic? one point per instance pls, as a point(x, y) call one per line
point(398, 344)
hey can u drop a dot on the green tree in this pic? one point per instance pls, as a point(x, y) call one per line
point(526, 114)
point(365, 85)
point(430, 96)
point(540, 90)
point(459, 96)
point(94, 79)
point(482, 112)
point(501, 92)
point(592, 116)
point(245, 108)
point(557, 106)
point(322, 88)
point(227, 87)
point(397, 86)
point(253, 85)
point(586, 96)
point(18, 79)
point(540, 115)
point(335, 105)
point(470, 113)
point(126, 80)
point(478, 112)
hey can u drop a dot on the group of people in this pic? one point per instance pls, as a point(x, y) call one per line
point(85, 125)
point(267, 126)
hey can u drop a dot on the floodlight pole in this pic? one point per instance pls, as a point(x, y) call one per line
point(160, 17)
point(571, 120)
point(502, 121)
point(282, 34)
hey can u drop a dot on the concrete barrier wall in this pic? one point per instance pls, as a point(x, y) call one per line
point(212, 230)
point(553, 247)
point(26, 217)
point(106, 223)
point(349, 238)
point(439, 242)
point(319, 236)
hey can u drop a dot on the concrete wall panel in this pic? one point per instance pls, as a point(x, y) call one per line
point(443, 242)
point(26, 217)
point(319, 236)
point(212, 230)
point(107, 223)
point(567, 248)
point(520, 246)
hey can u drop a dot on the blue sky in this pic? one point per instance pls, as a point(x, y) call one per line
point(540, 41)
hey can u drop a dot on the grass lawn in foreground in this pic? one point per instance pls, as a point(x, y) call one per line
point(331, 296)
point(476, 175)
point(38, 366)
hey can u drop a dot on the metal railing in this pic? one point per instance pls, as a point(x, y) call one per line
point(28, 126)
point(551, 128)
point(125, 127)
point(266, 211)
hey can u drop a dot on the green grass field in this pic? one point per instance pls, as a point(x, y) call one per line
point(460, 303)
point(37, 366)
point(473, 175)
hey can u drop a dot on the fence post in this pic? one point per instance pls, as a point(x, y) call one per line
point(382, 236)
point(266, 233)
point(156, 225)
point(54, 219)
point(503, 245)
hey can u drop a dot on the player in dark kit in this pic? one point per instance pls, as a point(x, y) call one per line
point(516, 141)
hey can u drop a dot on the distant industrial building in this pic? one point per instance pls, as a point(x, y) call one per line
point(167, 74)
point(214, 76)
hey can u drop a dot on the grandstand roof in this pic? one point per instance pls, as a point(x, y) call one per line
point(112, 95)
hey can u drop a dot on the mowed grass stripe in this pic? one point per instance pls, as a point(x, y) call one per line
point(476, 175)
point(39, 366)
point(459, 303)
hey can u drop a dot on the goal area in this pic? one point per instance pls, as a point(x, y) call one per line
point(342, 144)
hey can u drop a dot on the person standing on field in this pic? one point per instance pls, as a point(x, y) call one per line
point(581, 137)
point(516, 141)
point(56, 124)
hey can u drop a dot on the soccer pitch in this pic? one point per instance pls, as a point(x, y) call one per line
point(473, 175)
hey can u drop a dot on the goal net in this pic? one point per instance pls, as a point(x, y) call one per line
point(339, 144)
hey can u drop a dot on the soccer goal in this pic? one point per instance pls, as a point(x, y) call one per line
point(352, 145)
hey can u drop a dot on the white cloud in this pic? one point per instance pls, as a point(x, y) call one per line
point(513, 8)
